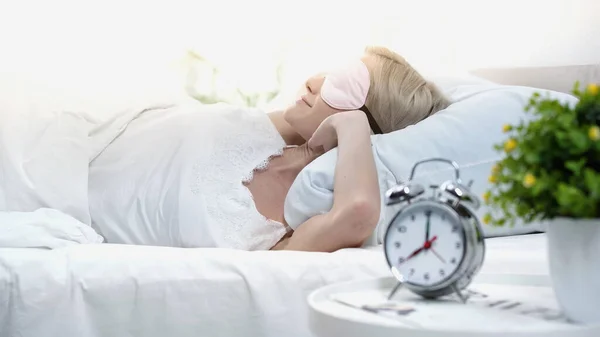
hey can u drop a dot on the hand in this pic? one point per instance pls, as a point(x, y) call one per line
point(425, 246)
point(437, 255)
point(427, 225)
point(325, 136)
point(414, 253)
point(428, 244)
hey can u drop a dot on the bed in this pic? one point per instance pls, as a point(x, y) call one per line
point(122, 290)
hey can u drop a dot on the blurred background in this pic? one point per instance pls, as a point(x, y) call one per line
point(257, 53)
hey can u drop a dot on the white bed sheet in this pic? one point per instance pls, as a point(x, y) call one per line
point(120, 290)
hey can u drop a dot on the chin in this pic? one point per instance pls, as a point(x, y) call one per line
point(288, 117)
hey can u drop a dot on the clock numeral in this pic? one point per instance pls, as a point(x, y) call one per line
point(442, 272)
point(443, 217)
point(426, 277)
point(453, 260)
point(402, 229)
point(401, 260)
point(397, 244)
point(457, 245)
point(454, 229)
point(412, 271)
point(412, 217)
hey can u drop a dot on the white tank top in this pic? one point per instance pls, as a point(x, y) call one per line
point(175, 178)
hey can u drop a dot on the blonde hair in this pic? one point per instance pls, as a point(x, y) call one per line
point(399, 96)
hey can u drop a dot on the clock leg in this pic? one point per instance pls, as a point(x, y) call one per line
point(396, 288)
point(463, 298)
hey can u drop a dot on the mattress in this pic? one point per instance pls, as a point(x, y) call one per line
point(122, 290)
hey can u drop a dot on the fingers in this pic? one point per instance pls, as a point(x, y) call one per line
point(316, 151)
point(313, 143)
point(323, 140)
point(319, 137)
point(320, 146)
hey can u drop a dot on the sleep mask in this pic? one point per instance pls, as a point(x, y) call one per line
point(346, 89)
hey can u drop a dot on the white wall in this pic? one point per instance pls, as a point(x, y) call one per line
point(522, 33)
point(127, 43)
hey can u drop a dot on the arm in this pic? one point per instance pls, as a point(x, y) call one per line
point(356, 200)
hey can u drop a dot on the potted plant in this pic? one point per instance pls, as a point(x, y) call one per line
point(551, 173)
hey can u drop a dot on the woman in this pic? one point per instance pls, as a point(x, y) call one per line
point(217, 176)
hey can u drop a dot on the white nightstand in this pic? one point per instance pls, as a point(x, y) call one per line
point(500, 305)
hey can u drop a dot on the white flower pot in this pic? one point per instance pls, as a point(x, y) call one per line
point(574, 255)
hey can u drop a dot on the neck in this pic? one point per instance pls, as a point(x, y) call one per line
point(293, 161)
point(286, 131)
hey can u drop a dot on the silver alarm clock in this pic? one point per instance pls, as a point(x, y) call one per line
point(434, 245)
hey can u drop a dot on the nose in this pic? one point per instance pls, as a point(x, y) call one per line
point(314, 84)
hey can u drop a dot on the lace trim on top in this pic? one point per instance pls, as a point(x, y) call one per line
point(243, 142)
point(262, 166)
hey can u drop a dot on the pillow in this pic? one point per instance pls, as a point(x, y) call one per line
point(50, 130)
point(449, 81)
point(559, 78)
point(464, 132)
point(44, 163)
point(44, 228)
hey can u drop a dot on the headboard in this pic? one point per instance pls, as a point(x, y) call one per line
point(559, 79)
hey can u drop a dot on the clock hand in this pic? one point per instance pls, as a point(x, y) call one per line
point(438, 255)
point(427, 225)
point(414, 253)
point(427, 245)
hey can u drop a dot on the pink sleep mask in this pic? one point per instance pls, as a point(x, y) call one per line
point(346, 89)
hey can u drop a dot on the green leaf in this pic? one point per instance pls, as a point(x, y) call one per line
point(532, 158)
point(579, 140)
point(571, 200)
point(575, 165)
point(271, 95)
point(592, 182)
point(539, 187)
point(553, 146)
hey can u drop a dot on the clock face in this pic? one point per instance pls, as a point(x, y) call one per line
point(425, 242)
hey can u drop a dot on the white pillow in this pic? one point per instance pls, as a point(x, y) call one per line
point(44, 228)
point(464, 132)
point(449, 81)
point(44, 162)
point(51, 128)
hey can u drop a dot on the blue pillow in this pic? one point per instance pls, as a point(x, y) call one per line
point(464, 132)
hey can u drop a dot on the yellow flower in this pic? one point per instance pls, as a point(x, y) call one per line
point(487, 219)
point(492, 179)
point(486, 196)
point(593, 89)
point(594, 133)
point(506, 128)
point(529, 180)
point(510, 145)
point(495, 169)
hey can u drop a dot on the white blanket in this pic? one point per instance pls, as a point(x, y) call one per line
point(49, 132)
point(44, 228)
point(121, 290)
point(118, 290)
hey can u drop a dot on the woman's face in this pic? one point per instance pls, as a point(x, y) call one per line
point(309, 110)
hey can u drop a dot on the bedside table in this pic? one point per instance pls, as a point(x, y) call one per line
point(500, 305)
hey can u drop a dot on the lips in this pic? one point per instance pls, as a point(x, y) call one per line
point(306, 101)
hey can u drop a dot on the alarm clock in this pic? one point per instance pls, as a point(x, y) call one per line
point(434, 245)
